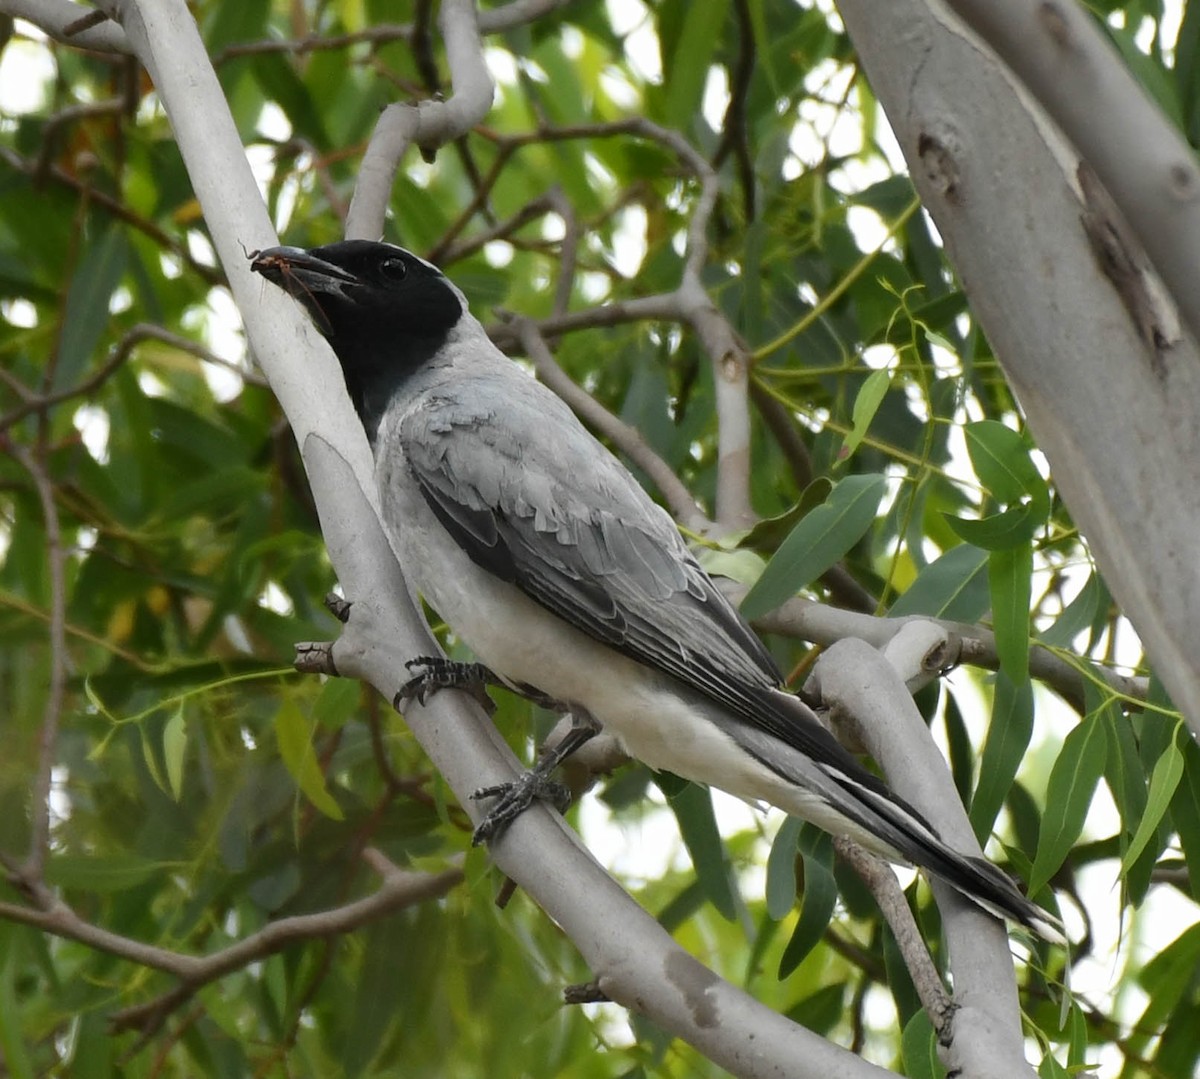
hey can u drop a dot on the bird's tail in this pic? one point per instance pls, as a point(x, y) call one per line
point(835, 792)
point(908, 834)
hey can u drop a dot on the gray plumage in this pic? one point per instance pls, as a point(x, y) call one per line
point(548, 559)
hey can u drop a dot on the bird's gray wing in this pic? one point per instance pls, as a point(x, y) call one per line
point(556, 515)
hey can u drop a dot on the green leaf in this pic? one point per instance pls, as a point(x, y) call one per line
point(688, 70)
point(1008, 737)
point(1069, 793)
point(821, 1010)
point(866, 403)
point(819, 898)
point(294, 738)
point(1013, 527)
point(1185, 814)
point(954, 586)
point(739, 565)
point(781, 870)
point(1050, 1068)
point(338, 701)
point(817, 542)
point(1010, 577)
point(692, 806)
point(762, 44)
point(100, 874)
point(769, 532)
point(150, 756)
point(1078, 615)
point(1168, 975)
point(918, 1049)
point(174, 747)
point(87, 312)
point(1164, 781)
point(13, 1049)
point(1001, 461)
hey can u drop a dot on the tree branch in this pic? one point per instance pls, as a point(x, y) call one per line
point(861, 684)
point(31, 872)
point(58, 17)
point(1079, 78)
point(1118, 418)
point(880, 878)
point(398, 889)
point(121, 351)
point(430, 124)
point(976, 645)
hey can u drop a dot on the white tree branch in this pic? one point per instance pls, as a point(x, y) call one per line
point(1116, 413)
point(862, 685)
point(54, 17)
point(1079, 78)
point(429, 124)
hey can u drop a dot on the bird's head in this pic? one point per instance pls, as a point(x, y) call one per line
point(385, 311)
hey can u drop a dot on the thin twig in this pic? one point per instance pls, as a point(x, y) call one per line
point(568, 250)
point(491, 21)
point(429, 125)
point(398, 888)
point(121, 352)
point(734, 136)
point(71, 24)
point(33, 462)
point(879, 877)
point(63, 118)
point(447, 253)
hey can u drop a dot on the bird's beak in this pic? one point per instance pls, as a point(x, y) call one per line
point(304, 277)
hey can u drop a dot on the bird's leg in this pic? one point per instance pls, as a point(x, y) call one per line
point(517, 796)
point(434, 673)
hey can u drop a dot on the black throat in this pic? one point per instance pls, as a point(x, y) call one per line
point(375, 375)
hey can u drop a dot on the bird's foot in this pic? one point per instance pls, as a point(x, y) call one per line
point(514, 798)
point(435, 673)
point(535, 785)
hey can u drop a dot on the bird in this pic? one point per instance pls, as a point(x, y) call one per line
point(548, 559)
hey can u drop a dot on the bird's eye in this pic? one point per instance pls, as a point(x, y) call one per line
point(393, 269)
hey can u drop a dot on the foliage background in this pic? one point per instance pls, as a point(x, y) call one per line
point(200, 789)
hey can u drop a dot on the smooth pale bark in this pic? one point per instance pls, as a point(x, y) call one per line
point(1108, 381)
point(870, 688)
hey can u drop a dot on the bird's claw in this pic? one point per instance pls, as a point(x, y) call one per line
point(514, 798)
point(434, 673)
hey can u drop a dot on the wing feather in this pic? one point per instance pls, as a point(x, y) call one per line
point(575, 532)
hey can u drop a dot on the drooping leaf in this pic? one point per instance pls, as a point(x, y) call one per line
point(174, 747)
point(954, 586)
point(1010, 582)
point(1008, 737)
point(1069, 793)
point(866, 403)
point(1002, 462)
point(781, 870)
point(919, 1049)
point(819, 898)
point(1164, 781)
point(817, 542)
point(692, 806)
point(293, 734)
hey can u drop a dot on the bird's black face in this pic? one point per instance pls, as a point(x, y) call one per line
point(384, 310)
